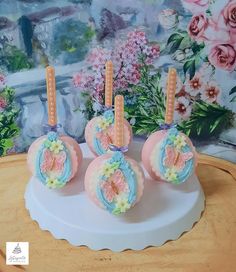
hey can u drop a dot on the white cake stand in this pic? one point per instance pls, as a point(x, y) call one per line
point(164, 212)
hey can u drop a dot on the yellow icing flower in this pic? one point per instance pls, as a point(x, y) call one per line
point(107, 170)
point(102, 123)
point(56, 146)
point(122, 205)
point(171, 175)
point(53, 183)
point(179, 141)
point(115, 165)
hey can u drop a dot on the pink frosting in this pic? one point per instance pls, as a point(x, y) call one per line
point(72, 146)
point(148, 147)
point(95, 166)
point(90, 133)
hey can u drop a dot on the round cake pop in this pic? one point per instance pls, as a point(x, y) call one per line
point(113, 181)
point(169, 154)
point(99, 132)
point(53, 159)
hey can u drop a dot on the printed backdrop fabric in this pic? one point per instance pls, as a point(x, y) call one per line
point(143, 39)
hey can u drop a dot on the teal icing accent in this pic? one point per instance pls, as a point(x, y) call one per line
point(108, 115)
point(52, 136)
point(189, 165)
point(67, 170)
point(98, 147)
point(129, 176)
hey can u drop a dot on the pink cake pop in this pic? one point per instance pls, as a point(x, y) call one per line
point(99, 132)
point(169, 154)
point(114, 181)
point(53, 159)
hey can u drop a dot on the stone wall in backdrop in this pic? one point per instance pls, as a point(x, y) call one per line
point(142, 38)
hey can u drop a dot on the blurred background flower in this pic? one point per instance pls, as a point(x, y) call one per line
point(168, 18)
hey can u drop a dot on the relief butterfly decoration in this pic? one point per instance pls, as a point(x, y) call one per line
point(54, 162)
point(53, 159)
point(168, 154)
point(114, 181)
point(99, 132)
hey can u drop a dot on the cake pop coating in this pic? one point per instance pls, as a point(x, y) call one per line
point(118, 170)
point(169, 155)
point(114, 182)
point(99, 133)
point(54, 160)
point(101, 142)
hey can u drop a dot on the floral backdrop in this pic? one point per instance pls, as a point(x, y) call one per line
point(143, 39)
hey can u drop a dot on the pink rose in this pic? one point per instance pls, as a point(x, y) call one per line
point(196, 6)
point(223, 56)
point(229, 14)
point(197, 27)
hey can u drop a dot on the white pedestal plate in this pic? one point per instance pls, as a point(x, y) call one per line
point(164, 212)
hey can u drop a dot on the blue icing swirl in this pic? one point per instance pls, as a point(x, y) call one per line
point(67, 166)
point(52, 136)
point(108, 117)
point(130, 178)
point(184, 174)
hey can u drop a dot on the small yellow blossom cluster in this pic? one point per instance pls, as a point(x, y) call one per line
point(122, 205)
point(53, 183)
point(109, 169)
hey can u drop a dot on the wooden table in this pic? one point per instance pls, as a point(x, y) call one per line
point(209, 246)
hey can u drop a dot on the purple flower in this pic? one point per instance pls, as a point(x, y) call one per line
point(126, 64)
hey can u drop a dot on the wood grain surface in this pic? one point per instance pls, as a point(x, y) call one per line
point(209, 246)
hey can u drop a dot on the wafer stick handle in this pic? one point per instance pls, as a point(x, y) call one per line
point(119, 121)
point(51, 95)
point(108, 84)
point(170, 102)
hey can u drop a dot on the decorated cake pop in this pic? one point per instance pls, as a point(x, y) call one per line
point(53, 159)
point(113, 181)
point(169, 154)
point(99, 132)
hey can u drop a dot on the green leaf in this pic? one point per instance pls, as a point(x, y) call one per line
point(208, 12)
point(207, 120)
point(8, 127)
point(175, 45)
point(186, 66)
point(1, 151)
point(233, 90)
point(173, 37)
point(233, 99)
point(214, 125)
point(199, 129)
point(202, 107)
point(196, 48)
point(143, 111)
point(189, 66)
point(192, 70)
